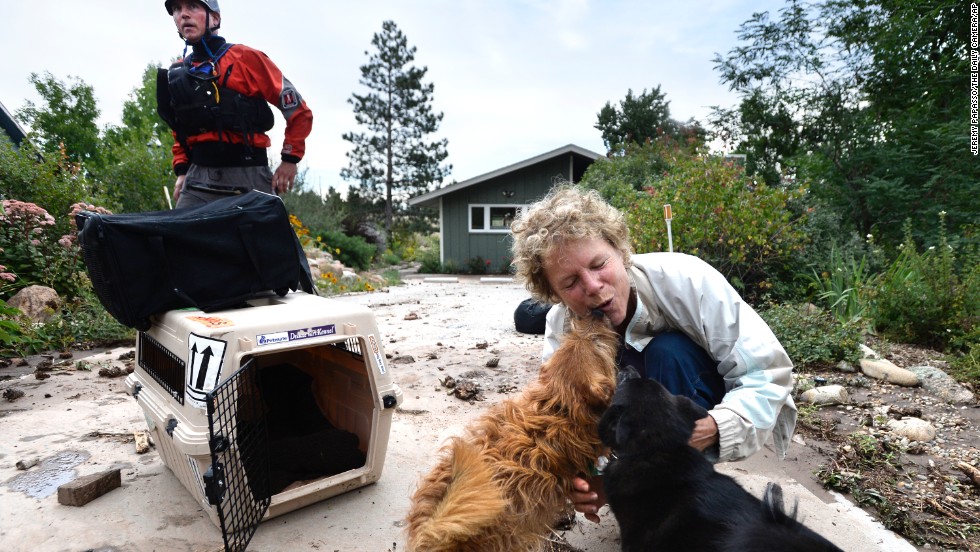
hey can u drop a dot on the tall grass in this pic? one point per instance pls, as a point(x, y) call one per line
point(846, 288)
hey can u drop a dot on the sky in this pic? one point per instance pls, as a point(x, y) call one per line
point(513, 78)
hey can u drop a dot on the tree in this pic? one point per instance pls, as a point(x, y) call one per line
point(747, 232)
point(140, 120)
point(135, 164)
point(393, 158)
point(854, 97)
point(66, 120)
point(642, 118)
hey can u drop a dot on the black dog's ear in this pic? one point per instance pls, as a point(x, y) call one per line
point(627, 373)
point(772, 500)
point(609, 426)
point(772, 505)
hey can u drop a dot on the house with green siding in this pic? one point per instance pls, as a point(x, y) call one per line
point(475, 214)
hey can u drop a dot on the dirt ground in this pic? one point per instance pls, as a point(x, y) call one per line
point(77, 422)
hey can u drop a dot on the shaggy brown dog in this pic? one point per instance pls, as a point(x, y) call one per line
point(501, 486)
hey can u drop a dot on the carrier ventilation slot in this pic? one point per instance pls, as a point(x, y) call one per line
point(352, 346)
point(165, 367)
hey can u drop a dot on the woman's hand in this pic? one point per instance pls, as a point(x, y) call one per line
point(588, 496)
point(705, 433)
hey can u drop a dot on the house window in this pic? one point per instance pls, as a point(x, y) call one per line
point(477, 218)
point(493, 218)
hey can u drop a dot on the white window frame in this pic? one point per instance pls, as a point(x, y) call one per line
point(486, 207)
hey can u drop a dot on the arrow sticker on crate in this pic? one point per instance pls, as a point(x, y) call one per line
point(204, 358)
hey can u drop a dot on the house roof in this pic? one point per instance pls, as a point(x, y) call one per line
point(10, 126)
point(429, 197)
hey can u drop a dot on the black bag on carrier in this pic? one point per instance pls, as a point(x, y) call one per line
point(212, 257)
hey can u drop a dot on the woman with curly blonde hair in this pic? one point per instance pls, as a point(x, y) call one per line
point(679, 319)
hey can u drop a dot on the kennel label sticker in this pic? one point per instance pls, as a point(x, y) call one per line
point(378, 357)
point(205, 356)
point(211, 321)
point(295, 335)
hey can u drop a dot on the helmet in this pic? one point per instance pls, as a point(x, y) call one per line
point(211, 5)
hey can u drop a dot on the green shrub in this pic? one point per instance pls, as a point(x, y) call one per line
point(812, 336)
point(830, 244)
point(325, 212)
point(745, 231)
point(477, 265)
point(81, 321)
point(965, 365)
point(38, 251)
point(429, 262)
point(409, 246)
point(930, 298)
point(353, 251)
point(135, 177)
point(44, 179)
point(85, 321)
point(10, 330)
point(389, 258)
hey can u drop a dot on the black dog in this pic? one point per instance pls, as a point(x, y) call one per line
point(667, 496)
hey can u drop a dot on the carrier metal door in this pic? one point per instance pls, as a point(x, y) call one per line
point(237, 483)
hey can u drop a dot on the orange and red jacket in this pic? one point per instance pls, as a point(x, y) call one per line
point(251, 73)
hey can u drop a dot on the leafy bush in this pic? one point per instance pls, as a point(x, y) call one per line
point(44, 179)
point(747, 232)
point(84, 320)
point(135, 179)
point(10, 330)
point(406, 245)
point(830, 244)
point(477, 265)
point(35, 250)
point(321, 212)
point(389, 258)
point(930, 298)
point(329, 284)
point(812, 336)
point(965, 366)
point(353, 251)
point(81, 320)
point(429, 262)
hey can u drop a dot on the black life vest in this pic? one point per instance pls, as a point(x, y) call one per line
point(196, 102)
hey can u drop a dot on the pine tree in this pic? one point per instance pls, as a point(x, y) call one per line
point(393, 157)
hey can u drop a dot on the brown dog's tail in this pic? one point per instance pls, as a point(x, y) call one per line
point(455, 503)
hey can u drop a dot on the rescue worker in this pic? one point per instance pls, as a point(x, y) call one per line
point(216, 101)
